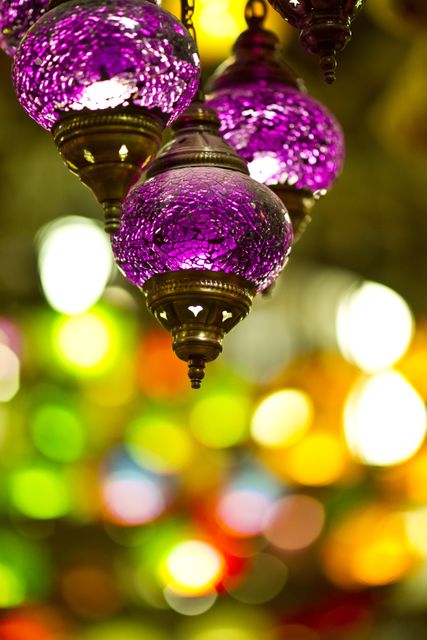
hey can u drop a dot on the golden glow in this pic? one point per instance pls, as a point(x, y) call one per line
point(374, 326)
point(384, 419)
point(220, 420)
point(219, 23)
point(416, 529)
point(193, 568)
point(160, 445)
point(83, 341)
point(416, 478)
point(319, 459)
point(282, 418)
point(370, 547)
point(9, 373)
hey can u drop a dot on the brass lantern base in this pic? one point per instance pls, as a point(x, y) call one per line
point(109, 150)
point(298, 203)
point(198, 308)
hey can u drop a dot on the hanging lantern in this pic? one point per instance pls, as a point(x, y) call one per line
point(290, 142)
point(106, 77)
point(16, 17)
point(200, 238)
point(324, 27)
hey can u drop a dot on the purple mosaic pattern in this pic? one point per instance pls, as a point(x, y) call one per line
point(203, 218)
point(285, 136)
point(16, 17)
point(100, 54)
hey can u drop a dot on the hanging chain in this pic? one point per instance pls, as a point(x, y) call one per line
point(255, 12)
point(187, 13)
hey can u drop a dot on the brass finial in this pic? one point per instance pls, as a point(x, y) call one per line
point(198, 308)
point(108, 150)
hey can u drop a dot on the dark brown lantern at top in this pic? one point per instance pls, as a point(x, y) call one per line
point(324, 27)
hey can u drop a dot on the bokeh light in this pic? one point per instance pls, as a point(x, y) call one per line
point(160, 373)
point(188, 606)
point(75, 263)
point(374, 326)
point(282, 418)
point(384, 419)
point(58, 432)
point(319, 459)
point(133, 497)
point(294, 522)
point(91, 590)
point(9, 373)
point(193, 568)
point(242, 507)
point(416, 529)
point(158, 443)
point(84, 340)
point(295, 632)
point(39, 491)
point(25, 571)
point(236, 622)
point(86, 344)
point(123, 629)
point(369, 546)
point(263, 580)
point(220, 419)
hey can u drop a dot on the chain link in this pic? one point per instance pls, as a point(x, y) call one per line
point(187, 13)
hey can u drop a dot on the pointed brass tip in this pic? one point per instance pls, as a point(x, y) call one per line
point(112, 215)
point(196, 371)
point(328, 64)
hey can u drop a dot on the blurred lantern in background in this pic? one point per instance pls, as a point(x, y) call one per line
point(324, 28)
point(290, 142)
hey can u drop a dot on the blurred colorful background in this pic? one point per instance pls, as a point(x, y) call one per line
point(288, 498)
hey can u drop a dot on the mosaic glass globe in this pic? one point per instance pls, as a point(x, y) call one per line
point(285, 136)
point(16, 17)
point(101, 54)
point(203, 218)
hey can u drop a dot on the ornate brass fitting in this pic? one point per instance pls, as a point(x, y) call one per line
point(198, 308)
point(196, 142)
point(109, 150)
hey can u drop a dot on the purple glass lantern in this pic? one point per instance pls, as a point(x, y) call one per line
point(200, 237)
point(286, 137)
point(16, 17)
point(204, 218)
point(106, 76)
point(290, 142)
point(100, 54)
